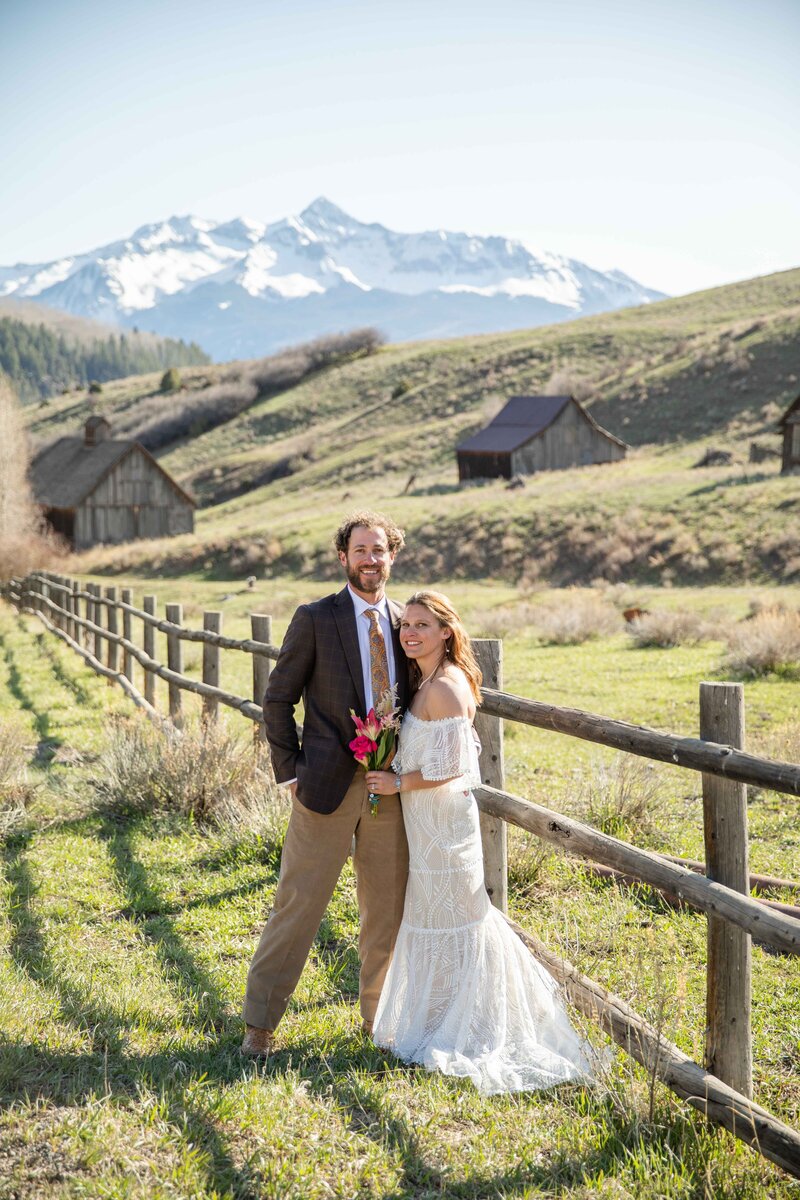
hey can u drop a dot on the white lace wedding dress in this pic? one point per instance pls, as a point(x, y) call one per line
point(463, 995)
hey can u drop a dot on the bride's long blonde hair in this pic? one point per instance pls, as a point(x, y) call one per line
point(457, 648)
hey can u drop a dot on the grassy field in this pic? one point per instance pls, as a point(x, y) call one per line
point(673, 378)
point(126, 938)
point(126, 934)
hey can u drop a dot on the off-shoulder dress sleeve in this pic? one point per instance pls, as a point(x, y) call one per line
point(450, 751)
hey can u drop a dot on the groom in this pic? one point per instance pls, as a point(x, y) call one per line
point(339, 653)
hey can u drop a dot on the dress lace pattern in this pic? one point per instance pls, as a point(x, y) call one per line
point(463, 995)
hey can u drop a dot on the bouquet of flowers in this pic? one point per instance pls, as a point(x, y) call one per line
point(376, 738)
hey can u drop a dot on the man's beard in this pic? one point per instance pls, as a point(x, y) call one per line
point(374, 583)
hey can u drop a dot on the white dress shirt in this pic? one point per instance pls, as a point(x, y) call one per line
point(363, 624)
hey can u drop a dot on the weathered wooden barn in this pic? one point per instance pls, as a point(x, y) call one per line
point(96, 488)
point(537, 433)
point(789, 424)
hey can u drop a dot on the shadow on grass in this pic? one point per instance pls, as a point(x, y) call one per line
point(41, 718)
point(365, 1110)
point(347, 1075)
point(111, 1069)
point(47, 648)
point(201, 1002)
point(742, 480)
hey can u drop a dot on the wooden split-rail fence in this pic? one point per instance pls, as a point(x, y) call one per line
point(98, 624)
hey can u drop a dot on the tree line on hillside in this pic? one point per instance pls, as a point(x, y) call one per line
point(40, 363)
point(158, 420)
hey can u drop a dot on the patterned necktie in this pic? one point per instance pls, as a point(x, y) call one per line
point(378, 662)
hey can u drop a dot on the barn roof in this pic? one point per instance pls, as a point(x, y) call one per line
point(792, 413)
point(523, 418)
point(64, 474)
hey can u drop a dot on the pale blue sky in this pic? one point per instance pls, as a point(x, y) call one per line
point(660, 138)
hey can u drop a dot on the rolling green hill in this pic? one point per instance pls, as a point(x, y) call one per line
point(714, 368)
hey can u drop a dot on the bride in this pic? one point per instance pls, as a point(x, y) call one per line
point(462, 995)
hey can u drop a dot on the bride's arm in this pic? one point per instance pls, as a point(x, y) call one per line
point(445, 699)
point(384, 783)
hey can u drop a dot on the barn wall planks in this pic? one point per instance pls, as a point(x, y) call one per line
point(571, 441)
point(135, 500)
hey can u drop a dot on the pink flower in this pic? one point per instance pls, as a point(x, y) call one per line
point(362, 746)
point(370, 727)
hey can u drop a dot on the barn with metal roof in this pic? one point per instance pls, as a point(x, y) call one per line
point(537, 433)
point(96, 488)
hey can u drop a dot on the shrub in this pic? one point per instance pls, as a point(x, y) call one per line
point(528, 860)
point(202, 772)
point(195, 411)
point(171, 380)
point(22, 545)
point(289, 367)
point(622, 799)
point(576, 617)
point(566, 382)
point(666, 629)
point(95, 388)
point(770, 641)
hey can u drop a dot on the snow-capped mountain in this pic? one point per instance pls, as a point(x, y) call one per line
point(242, 288)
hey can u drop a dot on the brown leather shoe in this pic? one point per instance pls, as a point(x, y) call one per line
point(258, 1043)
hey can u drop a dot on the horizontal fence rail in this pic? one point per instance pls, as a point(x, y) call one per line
point(769, 926)
point(693, 753)
point(712, 1097)
point(722, 1094)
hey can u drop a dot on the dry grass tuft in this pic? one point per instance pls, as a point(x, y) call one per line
point(622, 798)
point(575, 617)
point(528, 860)
point(203, 772)
point(15, 790)
point(769, 642)
point(666, 629)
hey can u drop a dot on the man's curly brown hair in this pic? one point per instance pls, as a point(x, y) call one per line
point(370, 520)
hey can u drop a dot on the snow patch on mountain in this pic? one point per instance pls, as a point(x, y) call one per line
point(319, 271)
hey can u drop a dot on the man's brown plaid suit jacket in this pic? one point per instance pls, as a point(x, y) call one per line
point(320, 662)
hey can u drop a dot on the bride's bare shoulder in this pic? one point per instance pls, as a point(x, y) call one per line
point(448, 696)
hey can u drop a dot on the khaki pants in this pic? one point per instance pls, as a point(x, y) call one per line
point(314, 852)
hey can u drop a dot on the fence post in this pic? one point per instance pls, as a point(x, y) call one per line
point(58, 599)
point(127, 633)
point(80, 632)
point(728, 1052)
point(212, 622)
point(89, 613)
point(69, 624)
point(44, 594)
point(61, 601)
point(261, 631)
point(149, 647)
point(175, 662)
point(112, 625)
point(98, 620)
point(494, 835)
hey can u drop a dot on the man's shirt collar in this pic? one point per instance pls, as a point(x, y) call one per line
point(362, 605)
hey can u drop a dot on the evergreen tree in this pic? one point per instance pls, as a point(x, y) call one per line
point(41, 363)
